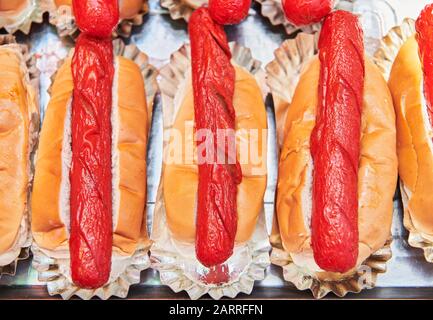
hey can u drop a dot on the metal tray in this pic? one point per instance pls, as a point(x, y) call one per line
point(408, 275)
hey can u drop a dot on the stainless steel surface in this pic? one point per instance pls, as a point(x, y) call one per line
point(408, 274)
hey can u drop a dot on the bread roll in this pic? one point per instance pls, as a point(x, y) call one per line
point(13, 6)
point(18, 110)
point(377, 173)
point(127, 8)
point(180, 180)
point(414, 136)
point(50, 200)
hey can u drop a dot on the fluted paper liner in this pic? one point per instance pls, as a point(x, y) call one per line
point(391, 44)
point(53, 266)
point(384, 58)
point(20, 249)
point(63, 19)
point(23, 19)
point(284, 71)
point(283, 74)
point(249, 259)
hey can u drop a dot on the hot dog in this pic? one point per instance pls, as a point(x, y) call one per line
point(213, 86)
point(214, 206)
point(19, 117)
point(229, 11)
point(90, 176)
point(410, 84)
point(335, 144)
point(305, 12)
point(92, 155)
point(338, 166)
point(96, 18)
point(50, 210)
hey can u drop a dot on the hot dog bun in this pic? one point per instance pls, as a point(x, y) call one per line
point(127, 8)
point(13, 6)
point(50, 206)
point(414, 138)
point(377, 174)
point(18, 107)
point(180, 180)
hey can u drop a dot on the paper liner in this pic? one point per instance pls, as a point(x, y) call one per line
point(24, 19)
point(63, 19)
point(384, 58)
point(283, 75)
point(284, 71)
point(416, 239)
point(391, 44)
point(20, 249)
point(11, 268)
point(181, 270)
point(181, 9)
point(364, 277)
point(53, 266)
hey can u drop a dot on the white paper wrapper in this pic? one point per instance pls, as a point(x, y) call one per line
point(63, 19)
point(20, 249)
point(391, 44)
point(53, 266)
point(182, 9)
point(176, 262)
point(364, 277)
point(283, 75)
point(384, 58)
point(284, 71)
point(23, 19)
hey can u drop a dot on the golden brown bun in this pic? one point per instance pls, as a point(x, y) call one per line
point(18, 105)
point(63, 3)
point(377, 175)
point(180, 181)
point(414, 139)
point(127, 8)
point(13, 5)
point(48, 228)
point(132, 145)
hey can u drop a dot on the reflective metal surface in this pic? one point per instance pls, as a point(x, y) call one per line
point(408, 274)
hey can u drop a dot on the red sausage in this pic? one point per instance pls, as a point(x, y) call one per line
point(229, 11)
point(213, 79)
point(91, 221)
point(305, 12)
point(335, 143)
point(424, 36)
point(96, 17)
point(91, 203)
